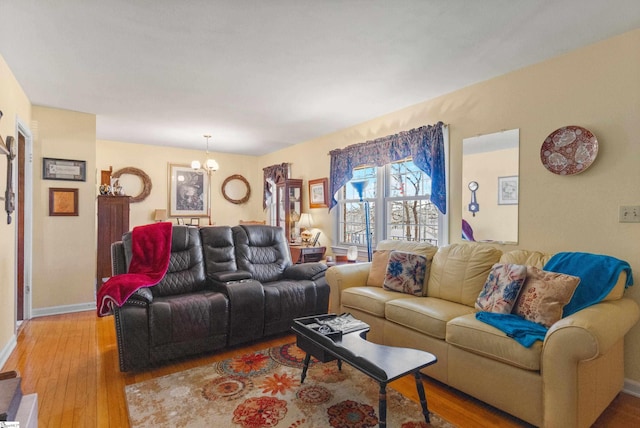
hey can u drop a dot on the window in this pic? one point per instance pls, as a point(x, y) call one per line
point(398, 196)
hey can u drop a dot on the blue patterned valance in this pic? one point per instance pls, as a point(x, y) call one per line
point(425, 145)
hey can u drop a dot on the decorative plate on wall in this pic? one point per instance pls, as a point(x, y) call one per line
point(569, 150)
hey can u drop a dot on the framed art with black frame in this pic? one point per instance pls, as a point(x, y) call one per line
point(64, 169)
point(187, 192)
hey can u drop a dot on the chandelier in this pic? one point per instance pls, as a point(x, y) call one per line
point(209, 165)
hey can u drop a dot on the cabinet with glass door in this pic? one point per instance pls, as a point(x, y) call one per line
point(289, 200)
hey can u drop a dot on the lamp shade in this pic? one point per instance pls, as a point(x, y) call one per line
point(306, 222)
point(160, 215)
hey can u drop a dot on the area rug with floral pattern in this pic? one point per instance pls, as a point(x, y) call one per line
point(263, 389)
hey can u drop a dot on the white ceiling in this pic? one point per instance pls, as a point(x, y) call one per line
point(260, 75)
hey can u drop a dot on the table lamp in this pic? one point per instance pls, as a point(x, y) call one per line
point(306, 223)
point(160, 215)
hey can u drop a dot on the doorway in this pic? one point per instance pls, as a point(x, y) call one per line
point(24, 220)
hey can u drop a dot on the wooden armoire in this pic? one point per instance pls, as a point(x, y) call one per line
point(113, 222)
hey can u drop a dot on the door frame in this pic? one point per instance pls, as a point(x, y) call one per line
point(23, 129)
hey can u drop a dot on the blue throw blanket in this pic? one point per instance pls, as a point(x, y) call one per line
point(523, 331)
point(598, 274)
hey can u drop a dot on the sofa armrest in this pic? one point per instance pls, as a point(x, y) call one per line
point(591, 332)
point(308, 271)
point(574, 341)
point(341, 277)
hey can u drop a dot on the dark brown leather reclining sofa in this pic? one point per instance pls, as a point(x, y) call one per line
point(224, 286)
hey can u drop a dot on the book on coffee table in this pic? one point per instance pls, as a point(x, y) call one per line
point(345, 323)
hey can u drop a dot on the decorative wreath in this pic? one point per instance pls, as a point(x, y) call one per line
point(146, 182)
point(236, 177)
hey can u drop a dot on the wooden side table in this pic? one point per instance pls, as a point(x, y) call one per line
point(302, 254)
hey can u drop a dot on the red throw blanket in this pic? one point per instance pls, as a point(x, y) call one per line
point(151, 251)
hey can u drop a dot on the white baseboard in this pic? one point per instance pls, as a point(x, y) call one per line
point(65, 309)
point(5, 352)
point(631, 387)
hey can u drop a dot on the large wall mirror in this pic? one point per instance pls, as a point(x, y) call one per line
point(490, 191)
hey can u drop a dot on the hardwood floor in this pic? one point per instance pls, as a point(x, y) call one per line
point(71, 361)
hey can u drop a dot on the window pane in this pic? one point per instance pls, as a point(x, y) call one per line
point(412, 220)
point(353, 227)
point(406, 179)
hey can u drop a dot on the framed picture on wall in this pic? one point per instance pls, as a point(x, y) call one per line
point(187, 192)
point(318, 195)
point(508, 190)
point(63, 201)
point(64, 169)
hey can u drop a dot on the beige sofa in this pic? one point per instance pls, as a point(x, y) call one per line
point(567, 381)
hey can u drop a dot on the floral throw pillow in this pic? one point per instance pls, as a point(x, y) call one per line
point(405, 273)
point(544, 295)
point(501, 289)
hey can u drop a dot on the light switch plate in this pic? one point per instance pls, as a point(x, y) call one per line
point(629, 214)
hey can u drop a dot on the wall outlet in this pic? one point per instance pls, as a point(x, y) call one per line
point(629, 214)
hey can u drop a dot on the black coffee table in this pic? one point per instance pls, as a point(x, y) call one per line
point(382, 363)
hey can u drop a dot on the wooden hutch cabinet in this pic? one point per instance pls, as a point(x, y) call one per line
point(113, 222)
point(289, 200)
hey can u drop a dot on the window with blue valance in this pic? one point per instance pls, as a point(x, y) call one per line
point(425, 145)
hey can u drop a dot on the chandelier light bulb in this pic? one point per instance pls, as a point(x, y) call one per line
point(211, 165)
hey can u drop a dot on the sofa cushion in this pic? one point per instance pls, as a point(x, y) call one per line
point(458, 271)
point(544, 295)
point(405, 273)
point(501, 289)
point(421, 248)
point(378, 270)
point(426, 315)
point(367, 299)
point(526, 257)
point(468, 333)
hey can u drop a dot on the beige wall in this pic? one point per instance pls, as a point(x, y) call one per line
point(596, 87)
point(154, 160)
point(64, 262)
point(15, 106)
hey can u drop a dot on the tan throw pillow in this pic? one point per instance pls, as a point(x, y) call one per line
point(378, 269)
point(544, 295)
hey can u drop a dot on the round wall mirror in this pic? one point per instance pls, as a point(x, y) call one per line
point(236, 189)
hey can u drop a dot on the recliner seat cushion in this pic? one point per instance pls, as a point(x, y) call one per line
point(187, 317)
point(289, 299)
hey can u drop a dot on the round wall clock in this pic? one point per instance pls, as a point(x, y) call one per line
point(569, 150)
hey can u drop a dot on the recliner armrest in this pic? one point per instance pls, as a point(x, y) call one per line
point(143, 295)
point(230, 275)
point(308, 271)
